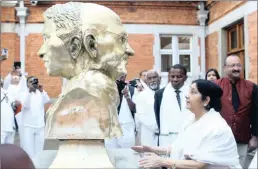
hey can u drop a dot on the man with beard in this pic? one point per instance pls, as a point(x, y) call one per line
point(240, 108)
point(145, 116)
point(170, 105)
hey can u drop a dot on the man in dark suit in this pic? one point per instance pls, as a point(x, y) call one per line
point(169, 105)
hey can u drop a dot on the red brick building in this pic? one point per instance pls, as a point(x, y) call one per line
point(198, 35)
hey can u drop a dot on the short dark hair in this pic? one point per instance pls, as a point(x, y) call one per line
point(179, 66)
point(208, 88)
point(212, 70)
point(16, 64)
point(140, 74)
point(30, 77)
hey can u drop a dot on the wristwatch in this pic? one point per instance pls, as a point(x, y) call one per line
point(174, 164)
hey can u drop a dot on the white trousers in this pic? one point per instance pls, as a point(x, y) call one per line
point(245, 158)
point(147, 136)
point(167, 140)
point(33, 140)
point(18, 120)
point(254, 161)
point(125, 141)
point(7, 137)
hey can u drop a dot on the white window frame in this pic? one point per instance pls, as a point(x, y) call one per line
point(175, 52)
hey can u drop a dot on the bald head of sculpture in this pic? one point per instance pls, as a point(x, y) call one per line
point(80, 37)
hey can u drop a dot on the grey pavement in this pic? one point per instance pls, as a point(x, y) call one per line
point(49, 144)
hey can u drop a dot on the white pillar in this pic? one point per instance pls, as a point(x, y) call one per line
point(22, 14)
point(202, 16)
point(203, 59)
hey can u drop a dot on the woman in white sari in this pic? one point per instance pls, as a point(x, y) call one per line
point(205, 141)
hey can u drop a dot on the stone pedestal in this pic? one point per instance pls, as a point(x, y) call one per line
point(82, 158)
point(81, 154)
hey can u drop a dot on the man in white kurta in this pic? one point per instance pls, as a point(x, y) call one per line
point(145, 115)
point(8, 78)
point(33, 118)
point(15, 88)
point(170, 105)
point(126, 110)
point(7, 117)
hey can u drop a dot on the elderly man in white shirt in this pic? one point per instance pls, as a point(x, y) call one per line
point(7, 117)
point(33, 117)
point(145, 115)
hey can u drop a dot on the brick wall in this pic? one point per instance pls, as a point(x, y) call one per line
point(181, 13)
point(136, 12)
point(138, 15)
point(212, 51)
point(7, 14)
point(35, 66)
point(130, 12)
point(252, 46)
point(143, 59)
point(141, 43)
point(9, 41)
point(157, 16)
point(220, 8)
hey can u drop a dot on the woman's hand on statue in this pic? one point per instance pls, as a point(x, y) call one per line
point(142, 149)
point(151, 160)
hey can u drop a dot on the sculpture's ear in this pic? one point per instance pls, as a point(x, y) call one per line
point(90, 44)
point(75, 47)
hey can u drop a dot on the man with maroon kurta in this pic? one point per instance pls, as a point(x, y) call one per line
point(240, 107)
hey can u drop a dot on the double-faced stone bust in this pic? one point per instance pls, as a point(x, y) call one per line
point(87, 44)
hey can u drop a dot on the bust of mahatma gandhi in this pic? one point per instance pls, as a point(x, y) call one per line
point(87, 44)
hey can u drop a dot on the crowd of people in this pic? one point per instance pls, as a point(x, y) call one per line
point(212, 122)
point(22, 110)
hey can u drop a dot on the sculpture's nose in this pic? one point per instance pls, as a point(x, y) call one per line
point(42, 51)
point(129, 50)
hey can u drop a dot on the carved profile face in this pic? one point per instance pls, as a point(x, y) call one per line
point(53, 51)
point(84, 36)
point(113, 51)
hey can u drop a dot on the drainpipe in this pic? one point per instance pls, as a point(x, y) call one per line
point(22, 13)
point(202, 15)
